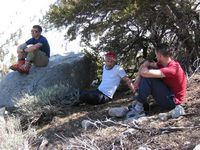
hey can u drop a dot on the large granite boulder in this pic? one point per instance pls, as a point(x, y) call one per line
point(74, 69)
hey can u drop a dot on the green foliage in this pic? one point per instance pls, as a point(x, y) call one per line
point(10, 41)
point(97, 63)
point(129, 26)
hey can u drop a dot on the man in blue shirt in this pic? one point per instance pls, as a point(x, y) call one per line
point(38, 53)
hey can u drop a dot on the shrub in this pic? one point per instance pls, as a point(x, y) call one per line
point(12, 137)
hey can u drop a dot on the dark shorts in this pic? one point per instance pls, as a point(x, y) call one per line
point(93, 97)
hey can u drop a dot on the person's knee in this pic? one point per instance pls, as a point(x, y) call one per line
point(144, 79)
point(83, 95)
point(23, 46)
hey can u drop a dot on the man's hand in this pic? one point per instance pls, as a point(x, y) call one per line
point(146, 64)
point(149, 65)
point(130, 84)
point(151, 73)
point(21, 47)
point(136, 82)
point(143, 70)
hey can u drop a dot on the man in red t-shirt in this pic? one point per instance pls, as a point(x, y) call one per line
point(165, 80)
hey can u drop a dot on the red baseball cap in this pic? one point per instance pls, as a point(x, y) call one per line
point(111, 54)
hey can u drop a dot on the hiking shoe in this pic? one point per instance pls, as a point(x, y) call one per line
point(132, 105)
point(177, 111)
point(25, 68)
point(16, 66)
point(145, 105)
point(133, 113)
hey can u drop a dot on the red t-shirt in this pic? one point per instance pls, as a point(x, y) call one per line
point(175, 79)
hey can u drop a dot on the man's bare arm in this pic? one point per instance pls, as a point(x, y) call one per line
point(149, 70)
point(28, 49)
point(129, 83)
point(33, 47)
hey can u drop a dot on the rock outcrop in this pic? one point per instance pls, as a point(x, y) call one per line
point(74, 69)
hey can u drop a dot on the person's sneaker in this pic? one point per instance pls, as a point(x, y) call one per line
point(145, 105)
point(136, 110)
point(25, 68)
point(131, 106)
point(16, 66)
point(177, 111)
point(133, 113)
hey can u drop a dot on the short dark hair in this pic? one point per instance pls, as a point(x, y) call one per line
point(164, 50)
point(38, 27)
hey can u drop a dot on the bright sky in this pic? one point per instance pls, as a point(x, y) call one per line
point(16, 14)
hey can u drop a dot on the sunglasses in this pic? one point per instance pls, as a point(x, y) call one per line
point(34, 31)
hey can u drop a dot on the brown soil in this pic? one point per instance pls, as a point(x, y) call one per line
point(65, 129)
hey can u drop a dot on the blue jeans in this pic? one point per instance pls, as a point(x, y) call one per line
point(160, 92)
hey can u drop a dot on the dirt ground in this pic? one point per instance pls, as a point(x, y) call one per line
point(64, 130)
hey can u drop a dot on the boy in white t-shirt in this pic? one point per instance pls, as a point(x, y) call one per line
point(112, 75)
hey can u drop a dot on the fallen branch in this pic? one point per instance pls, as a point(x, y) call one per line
point(134, 125)
point(171, 129)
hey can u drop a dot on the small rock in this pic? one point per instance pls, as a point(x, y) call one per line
point(86, 123)
point(129, 120)
point(139, 120)
point(143, 120)
point(118, 111)
point(2, 111)
point(2, 120)
point(163, 116)
point(44, 144)
point(197, 147)
point(6, 112)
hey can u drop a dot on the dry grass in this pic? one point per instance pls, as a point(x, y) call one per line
point(110, 133)
point(12, 137)
point(47, 101)
point(31, 109)
point(65, 131)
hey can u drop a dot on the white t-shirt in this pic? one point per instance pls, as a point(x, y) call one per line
point(111, 80)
